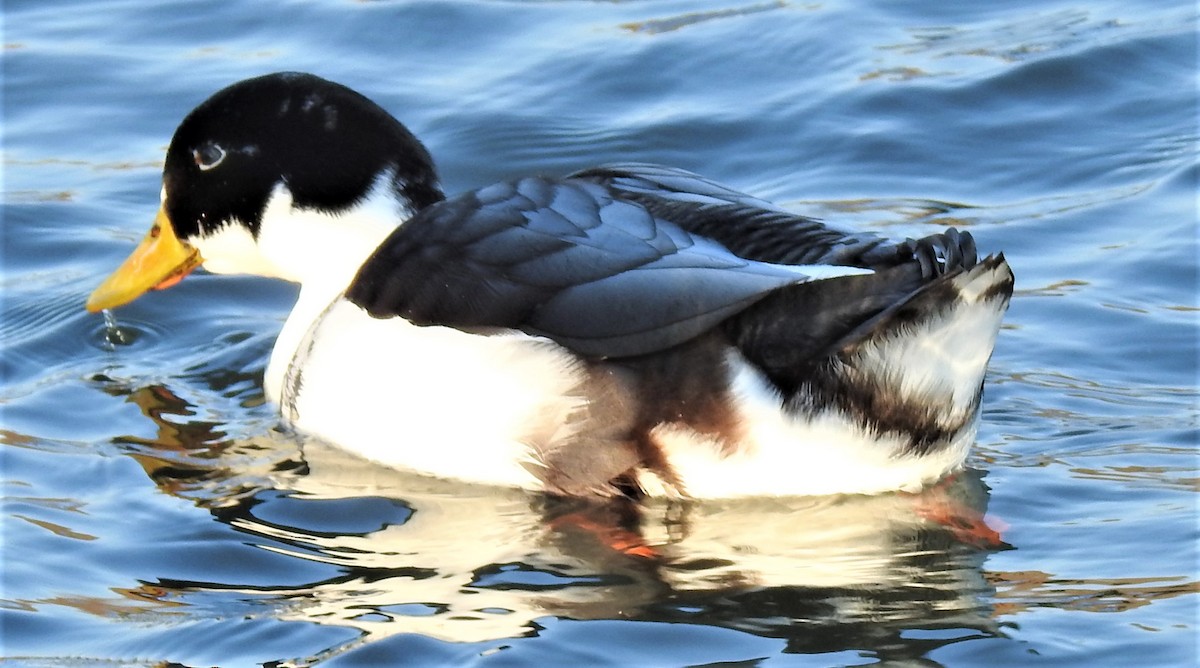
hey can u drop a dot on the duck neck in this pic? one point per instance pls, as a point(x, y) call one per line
point(322, 252)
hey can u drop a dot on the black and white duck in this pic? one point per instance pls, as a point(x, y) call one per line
point(626, 329)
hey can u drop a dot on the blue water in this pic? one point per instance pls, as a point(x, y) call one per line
point(152, 513)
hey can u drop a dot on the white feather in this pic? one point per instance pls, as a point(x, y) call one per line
point(431, 399)
point(784, 454)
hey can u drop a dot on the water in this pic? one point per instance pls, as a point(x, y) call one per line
point(154, 515)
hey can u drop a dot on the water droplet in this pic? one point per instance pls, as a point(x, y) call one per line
point(113, 334)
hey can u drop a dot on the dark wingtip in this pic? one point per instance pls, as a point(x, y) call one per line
point(943, 253)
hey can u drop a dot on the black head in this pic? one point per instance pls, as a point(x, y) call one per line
point(325, 142)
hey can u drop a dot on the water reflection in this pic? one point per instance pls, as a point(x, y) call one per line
point(469, 564)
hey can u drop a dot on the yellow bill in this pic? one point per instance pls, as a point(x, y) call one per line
point(160, 261)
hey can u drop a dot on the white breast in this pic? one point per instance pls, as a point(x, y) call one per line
point(434, 400)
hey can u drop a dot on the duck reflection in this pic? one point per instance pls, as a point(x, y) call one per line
point(462, 563)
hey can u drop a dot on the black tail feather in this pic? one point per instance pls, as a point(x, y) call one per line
point(795, 329)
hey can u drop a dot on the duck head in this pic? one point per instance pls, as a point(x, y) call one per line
point(285, 175)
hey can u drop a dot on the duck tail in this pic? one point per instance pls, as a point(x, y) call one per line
point(917, 367)
point(796, 329)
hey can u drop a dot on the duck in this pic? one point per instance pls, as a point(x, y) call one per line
point(626, 330)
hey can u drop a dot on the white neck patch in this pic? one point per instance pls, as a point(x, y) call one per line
point(305, 246)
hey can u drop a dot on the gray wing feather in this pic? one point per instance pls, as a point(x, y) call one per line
point(569, 260)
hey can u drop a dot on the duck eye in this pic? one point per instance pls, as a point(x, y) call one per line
point(208, 156)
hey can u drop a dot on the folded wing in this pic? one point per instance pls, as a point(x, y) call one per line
point(577, 261)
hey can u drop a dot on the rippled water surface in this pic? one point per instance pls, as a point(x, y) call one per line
point(153, 514)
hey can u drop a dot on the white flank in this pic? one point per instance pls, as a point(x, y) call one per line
point(433, 400)
point(788, 455)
